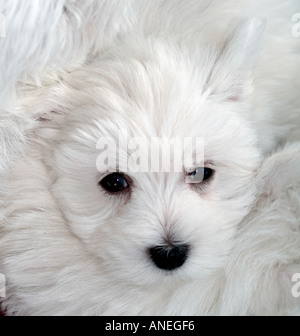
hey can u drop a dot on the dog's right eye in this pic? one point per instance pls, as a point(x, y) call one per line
point(114, 183)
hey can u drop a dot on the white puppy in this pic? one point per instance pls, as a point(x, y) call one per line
point(81, 236)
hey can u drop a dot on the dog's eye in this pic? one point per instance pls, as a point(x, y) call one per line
point(114, 183)
point(201, 175)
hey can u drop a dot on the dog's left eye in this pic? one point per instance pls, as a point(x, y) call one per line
point(201, 175)
point(114, 183)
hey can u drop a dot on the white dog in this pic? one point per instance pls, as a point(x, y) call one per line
point(79, 236)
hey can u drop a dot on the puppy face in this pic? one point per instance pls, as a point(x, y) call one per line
point(147, 227)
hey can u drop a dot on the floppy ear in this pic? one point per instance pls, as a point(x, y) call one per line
point(231, 76)
point(48, 108)
point(49, 124)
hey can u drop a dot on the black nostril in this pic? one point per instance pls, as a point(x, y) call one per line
point(169, 257)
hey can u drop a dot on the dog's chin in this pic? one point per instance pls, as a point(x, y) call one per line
point(148, 276)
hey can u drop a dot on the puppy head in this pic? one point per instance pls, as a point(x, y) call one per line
point(145, 225)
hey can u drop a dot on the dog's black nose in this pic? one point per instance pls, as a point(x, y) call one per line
point(169, 257)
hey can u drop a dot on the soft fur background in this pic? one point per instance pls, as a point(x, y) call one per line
point(49, 40)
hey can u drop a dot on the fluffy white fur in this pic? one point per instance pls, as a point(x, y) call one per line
point(193, 68)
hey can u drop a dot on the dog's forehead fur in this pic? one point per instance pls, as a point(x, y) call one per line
point(156, 88)
point(153, 92)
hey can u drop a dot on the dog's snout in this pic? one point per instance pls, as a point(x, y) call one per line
point(169, 257)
